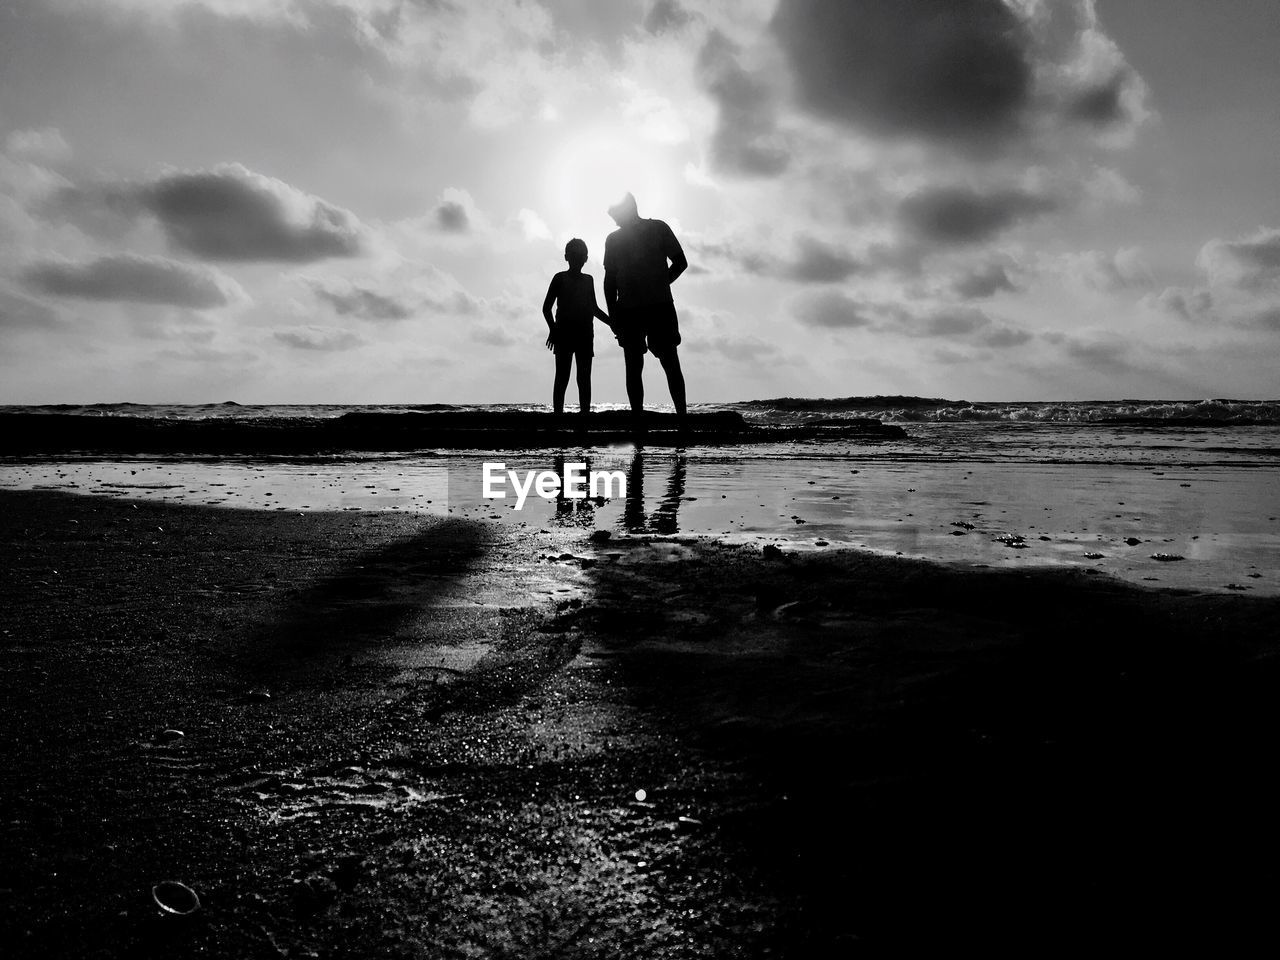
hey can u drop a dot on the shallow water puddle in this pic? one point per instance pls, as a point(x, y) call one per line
point(1112, 517)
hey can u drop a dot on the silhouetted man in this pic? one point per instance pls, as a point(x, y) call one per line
point(642, 258)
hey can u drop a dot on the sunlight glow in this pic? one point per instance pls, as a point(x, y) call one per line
point(595, 168)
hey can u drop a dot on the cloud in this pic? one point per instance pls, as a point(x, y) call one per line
point(206, 355)
point(492, 336)
point(228, 213)
point(818, 262)
point(532, 226)
point(506, 62)
point(256, 9)
point(830, 310)
point(451, 216)
point(745, 140)
point(455, 212)
point(457, 302)
point(232, 213)
point(833, 310)
point(813, 260)
point(19, 313)
point(955, 70)
point(983, 281)
point(945, 322)
point(320, 339)
point(1242, 284)
point(358, 301)
point(136, 279)
point(1125, 269)
point(104, 211)
point(1265, 319)
point(976, 74)
point(45, 145)
point(665, 16)
point(185, 335)
point(959, 215)
point(1103, 103)
point(650, 115)
point(408, 291)
point(1108, 188)
point(742, 349)
point(1100, 355)
point(1249, 262)
point(955, 323)
point(1002, 338)
point(737, 255)
point(1092, 83)
point(1186, 304)
point(500, 61)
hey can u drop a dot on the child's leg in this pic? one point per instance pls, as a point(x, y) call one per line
point(564, 360)
point(584, 381)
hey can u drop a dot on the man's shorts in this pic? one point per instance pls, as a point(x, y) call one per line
point(654, 327)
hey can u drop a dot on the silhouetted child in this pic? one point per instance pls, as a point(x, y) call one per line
point(572, 333)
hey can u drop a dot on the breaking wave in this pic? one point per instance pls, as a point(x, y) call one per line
point(901, 409)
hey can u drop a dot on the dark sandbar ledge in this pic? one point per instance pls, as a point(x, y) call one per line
point(29, 433)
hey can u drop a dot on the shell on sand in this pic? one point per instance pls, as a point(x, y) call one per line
point(175, 898)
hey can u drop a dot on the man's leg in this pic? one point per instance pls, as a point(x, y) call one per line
point(584, 381)
point(634, 359)
point(670, 360)
point(564, 360)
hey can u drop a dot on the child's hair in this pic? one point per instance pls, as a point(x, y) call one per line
point(576, 246)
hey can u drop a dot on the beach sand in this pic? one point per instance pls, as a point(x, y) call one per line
point(421, 736)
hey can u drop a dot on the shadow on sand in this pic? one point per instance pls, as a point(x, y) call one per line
point(366, 609)
point(939, 756)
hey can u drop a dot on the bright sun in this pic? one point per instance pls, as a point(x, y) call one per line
point(594, 169)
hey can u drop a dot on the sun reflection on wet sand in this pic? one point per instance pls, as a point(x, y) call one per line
point(1114, 518)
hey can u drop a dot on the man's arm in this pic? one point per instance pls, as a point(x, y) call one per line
point(675, 253)
point(610, 276)
point(610, 290)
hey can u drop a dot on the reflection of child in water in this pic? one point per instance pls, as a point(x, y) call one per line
point(572, 332)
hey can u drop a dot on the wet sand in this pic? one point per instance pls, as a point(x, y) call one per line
point(1123, 519)
point(425, 736)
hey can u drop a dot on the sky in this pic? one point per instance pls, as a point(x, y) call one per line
point(363, 201)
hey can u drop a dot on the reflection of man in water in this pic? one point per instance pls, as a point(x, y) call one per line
point(642, 258)
point(665, 517)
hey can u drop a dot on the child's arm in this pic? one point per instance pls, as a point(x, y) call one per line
point(550, 299)
point(595, 307)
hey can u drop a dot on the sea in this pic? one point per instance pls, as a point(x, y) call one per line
point(1167, 493)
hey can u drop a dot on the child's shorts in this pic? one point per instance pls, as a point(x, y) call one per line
point(579, 349)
